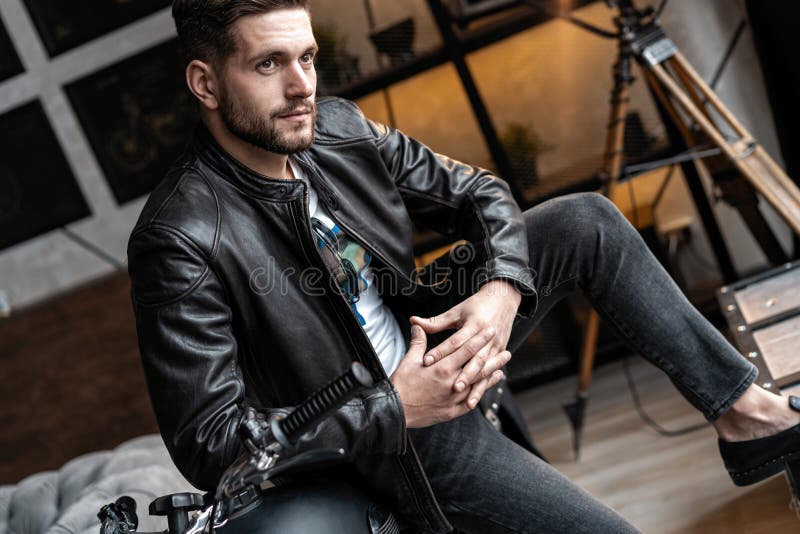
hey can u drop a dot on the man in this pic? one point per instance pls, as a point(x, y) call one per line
point(277, 250)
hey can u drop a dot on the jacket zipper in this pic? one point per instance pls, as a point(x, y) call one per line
point(351, 231)
point(307, 243)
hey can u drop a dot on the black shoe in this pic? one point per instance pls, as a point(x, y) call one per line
point(754, 460)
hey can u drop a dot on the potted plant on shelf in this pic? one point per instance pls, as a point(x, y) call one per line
point(523, 146)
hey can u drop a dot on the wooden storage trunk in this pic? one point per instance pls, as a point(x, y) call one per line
point(763, 314)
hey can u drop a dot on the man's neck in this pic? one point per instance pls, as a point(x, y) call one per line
point(259, 160)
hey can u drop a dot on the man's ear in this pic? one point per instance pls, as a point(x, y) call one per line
point(202, 82)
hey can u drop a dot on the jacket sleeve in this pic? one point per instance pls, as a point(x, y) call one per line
point(189, 355)
point(463, 201)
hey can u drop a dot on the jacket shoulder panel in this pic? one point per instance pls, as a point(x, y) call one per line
point(187, 202)
point(177, 235)
point(341, 120)
point(163, 267)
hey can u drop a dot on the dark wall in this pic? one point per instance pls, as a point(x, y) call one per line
point(777, 39)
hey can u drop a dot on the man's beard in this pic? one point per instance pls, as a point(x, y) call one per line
point(262, 131)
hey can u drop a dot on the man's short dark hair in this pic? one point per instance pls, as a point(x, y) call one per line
point(204, 26)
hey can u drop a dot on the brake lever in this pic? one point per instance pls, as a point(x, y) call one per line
point(251, 474)
point(306, 461)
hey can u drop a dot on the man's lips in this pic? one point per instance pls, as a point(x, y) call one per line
point(297, 115)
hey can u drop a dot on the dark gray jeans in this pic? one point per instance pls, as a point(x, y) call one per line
point(485, 482)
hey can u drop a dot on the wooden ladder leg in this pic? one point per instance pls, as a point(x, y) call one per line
point(588, 351)
point(746, 155)
point(576, 409)
point(612, 165)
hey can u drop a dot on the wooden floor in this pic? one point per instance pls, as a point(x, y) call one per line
point(71, 380)
point(660, 484)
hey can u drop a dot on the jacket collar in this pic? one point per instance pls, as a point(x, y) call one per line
point(232, 170)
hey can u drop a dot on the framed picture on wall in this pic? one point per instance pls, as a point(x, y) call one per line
point(38, 191)
point(138, 116)
point(9, 61)
point(65, 25)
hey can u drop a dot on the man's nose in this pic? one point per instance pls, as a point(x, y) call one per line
point(300, 81)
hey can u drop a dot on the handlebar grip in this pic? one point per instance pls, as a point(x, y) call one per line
point(320, 404)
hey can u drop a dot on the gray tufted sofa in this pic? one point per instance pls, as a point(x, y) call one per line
point(67, 501)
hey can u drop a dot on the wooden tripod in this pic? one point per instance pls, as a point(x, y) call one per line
point(741, 167)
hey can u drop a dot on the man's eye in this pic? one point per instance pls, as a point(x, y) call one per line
point(267, 64)
point(307, 58)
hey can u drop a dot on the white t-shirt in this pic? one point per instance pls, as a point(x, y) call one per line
point(373, 315)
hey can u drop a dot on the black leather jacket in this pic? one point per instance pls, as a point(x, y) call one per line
point(229, 315)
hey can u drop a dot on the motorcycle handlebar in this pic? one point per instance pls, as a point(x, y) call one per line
point(319, 405)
